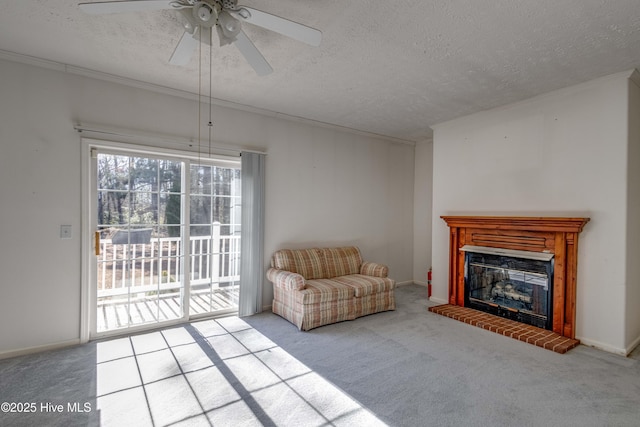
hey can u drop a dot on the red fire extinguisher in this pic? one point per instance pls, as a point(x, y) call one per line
point(429, 283)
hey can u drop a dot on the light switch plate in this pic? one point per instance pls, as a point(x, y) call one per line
point(65, 231)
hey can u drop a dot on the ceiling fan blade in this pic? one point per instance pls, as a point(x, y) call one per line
point(184, 50)
point(252, 54)
point(296, 31)
point(127, 6)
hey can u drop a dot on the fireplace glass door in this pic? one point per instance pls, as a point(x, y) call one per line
point(509, 286)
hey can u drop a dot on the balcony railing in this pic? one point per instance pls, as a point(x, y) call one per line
point(157, 265)
point(144, 283)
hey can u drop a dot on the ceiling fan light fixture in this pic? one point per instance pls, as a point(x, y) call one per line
point(229, 25)
point(205, 14)
point(224, 40)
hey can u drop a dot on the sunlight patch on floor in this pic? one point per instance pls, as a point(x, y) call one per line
point(215, 372)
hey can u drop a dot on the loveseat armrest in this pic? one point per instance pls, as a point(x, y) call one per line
point(374, 269)
point(286, 279)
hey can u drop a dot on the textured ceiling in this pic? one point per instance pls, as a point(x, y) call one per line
point(391, 68)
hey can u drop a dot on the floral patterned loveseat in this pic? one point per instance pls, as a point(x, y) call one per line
point(318, 286)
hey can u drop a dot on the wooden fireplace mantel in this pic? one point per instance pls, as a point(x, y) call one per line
point(555, 235)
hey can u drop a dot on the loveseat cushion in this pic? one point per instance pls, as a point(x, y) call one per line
point(342, 261)
point(309, 263)
point(325, 290)
point(366, 285)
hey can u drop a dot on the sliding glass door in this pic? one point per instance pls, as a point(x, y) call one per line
point(214, 218)
point(167, 238)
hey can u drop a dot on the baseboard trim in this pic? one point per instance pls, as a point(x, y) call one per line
point(410, 282)
point(38, 349)
point(438, 300)
point(604, 347)
point(633, 345)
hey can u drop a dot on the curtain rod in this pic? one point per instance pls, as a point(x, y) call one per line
point(150, 138)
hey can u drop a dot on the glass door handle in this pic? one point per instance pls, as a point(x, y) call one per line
point(97, 243)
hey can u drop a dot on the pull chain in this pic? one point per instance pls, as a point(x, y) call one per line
point(210, 92)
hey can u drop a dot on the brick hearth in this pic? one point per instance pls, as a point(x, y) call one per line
point(509, 328)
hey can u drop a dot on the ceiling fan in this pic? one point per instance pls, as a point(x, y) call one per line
point(227, 18)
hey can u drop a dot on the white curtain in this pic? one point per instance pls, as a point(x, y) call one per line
point(252, 236)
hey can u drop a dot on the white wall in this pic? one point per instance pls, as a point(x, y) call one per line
point(422, 211)
point(632, 334)
point(561, 154)
point(323, 187)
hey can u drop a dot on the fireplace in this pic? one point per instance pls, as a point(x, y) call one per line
point(522, 268)
point(517, 285)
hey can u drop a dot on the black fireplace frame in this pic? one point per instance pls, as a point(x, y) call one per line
point(509, 312)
